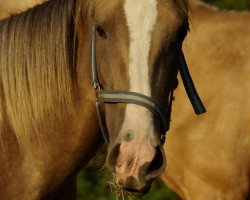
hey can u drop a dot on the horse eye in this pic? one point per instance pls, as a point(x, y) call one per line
point(101, 32)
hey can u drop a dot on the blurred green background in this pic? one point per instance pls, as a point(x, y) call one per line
point(95, 183)
point(231, 4)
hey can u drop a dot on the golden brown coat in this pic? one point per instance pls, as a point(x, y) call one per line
point(208, 156)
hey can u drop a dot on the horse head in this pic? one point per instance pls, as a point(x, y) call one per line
point(136, 51)
point(50, 104)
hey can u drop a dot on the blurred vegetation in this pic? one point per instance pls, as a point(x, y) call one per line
point(231, 4)
point(97, 185)
point(93, 184)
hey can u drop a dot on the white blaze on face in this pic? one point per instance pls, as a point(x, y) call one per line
point(141, 17)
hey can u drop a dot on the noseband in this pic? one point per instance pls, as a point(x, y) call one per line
point(116, 96)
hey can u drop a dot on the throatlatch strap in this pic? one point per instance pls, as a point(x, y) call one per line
point(194, 98)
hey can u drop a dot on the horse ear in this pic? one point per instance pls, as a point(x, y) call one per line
point(191, 91)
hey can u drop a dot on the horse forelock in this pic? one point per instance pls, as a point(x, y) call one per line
point(36, 65)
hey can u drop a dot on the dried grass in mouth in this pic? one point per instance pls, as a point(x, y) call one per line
point(120, 193)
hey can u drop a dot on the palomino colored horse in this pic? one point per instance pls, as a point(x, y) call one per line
point(209, 158)
point(49, 127)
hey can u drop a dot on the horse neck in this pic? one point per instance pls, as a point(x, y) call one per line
point(37, 141)
point(201, 10)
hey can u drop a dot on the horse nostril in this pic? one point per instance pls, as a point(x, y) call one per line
point(157, 166)
point(112, 157)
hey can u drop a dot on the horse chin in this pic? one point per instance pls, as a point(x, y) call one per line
point(140, 192)
point(135, 191)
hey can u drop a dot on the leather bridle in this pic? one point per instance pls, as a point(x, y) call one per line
point(116, 96)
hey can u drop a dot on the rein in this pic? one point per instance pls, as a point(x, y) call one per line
point(117, 96)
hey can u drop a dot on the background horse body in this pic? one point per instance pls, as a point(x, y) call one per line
point(48, 123)
point(11, 7)
point(208, 158)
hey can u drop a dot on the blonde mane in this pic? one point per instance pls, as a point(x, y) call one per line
point(36, 66)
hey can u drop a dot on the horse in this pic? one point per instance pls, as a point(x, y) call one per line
point(209, 158)
point(71, 70)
